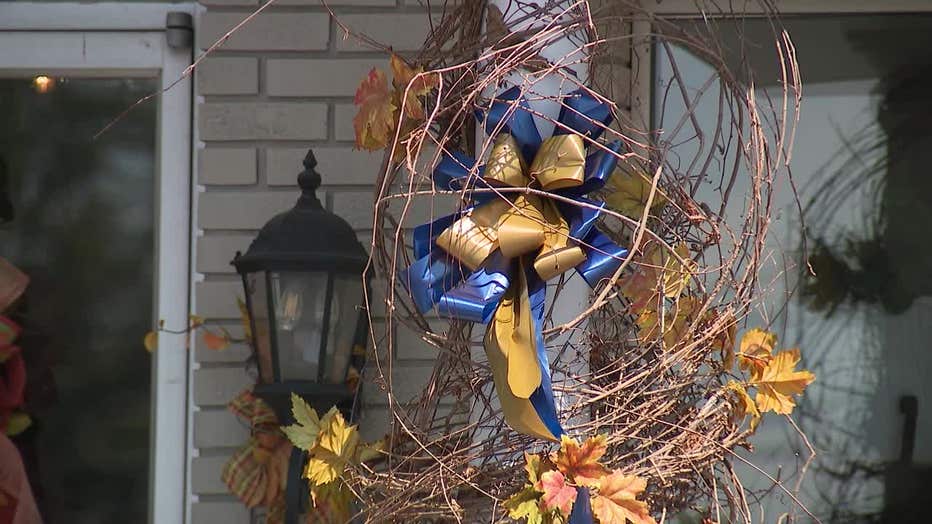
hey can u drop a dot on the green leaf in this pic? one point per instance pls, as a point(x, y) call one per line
point(304, 414)
point(300, 436)
point(525, 504)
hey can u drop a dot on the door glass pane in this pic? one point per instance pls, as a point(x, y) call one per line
point(861, 162)
point(82, 229)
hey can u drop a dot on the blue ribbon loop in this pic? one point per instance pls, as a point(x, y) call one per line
point(584, 114)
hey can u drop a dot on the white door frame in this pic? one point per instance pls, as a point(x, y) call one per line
point(121, 40)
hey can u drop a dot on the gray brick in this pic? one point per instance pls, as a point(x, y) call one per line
point(299, 77)
point(218, 166)
point(357, 207)
point(242, 210)
point(237, 353)
point(228, 76)
point(218, 386)
point(223, 3)
point(205, 475)
point(219, 513)
point(263, 121)
point(266, 32)
point(403, 32)
point(214, 252)
point(336, 165)
point(217, 299)
point(343, 126)
point(316, 3)
point(219, 429)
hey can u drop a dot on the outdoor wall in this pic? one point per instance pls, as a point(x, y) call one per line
point(283, 84)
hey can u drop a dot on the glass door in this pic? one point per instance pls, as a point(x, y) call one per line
point(101, 226)
point(861, 162)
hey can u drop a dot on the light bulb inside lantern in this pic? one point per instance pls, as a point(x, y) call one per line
point(290, 308)
point(43, 84)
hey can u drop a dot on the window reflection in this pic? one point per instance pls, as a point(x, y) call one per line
point(862, 150)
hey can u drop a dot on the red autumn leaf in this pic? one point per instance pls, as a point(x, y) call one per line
point(557, 495)
point(406, 78)
point(581, 463)
point(375, 121)
point(214, 341)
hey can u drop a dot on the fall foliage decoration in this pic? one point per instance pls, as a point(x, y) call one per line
point(550, 492)
point(215, 338)
point(382, 109)
point(332, 446)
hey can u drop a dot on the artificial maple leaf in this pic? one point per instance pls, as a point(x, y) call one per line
point(306, 430)
point(215, 342)
point(330, 504)
point(616, 501)
point(244, 319)
point(755, 349)
point(375, 120)
point(676, 320)
point(581, 462)
point(336, 446)
point(533, 467)
point(150, 341)
point(404, 78)
point(628, 191)
point(525, 504)
point(778, 382)
point(17, 423)
point(556, 494)
point(659, 272)
point(195, 321)
point(744, 404)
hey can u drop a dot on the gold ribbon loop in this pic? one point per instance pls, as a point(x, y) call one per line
point(521, 229)
point(474, 237)
point(506, 163)
point(559, 253)
point(560, 162)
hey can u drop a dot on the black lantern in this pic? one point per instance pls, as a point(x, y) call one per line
point(303, 284)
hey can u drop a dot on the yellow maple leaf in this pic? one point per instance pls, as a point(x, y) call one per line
point(195, 321)
point(330, 504)
point(336, 446)
point(525, 504)
point(744, 405)
point(628, 191)
point(375, 121)
point(17, 423)
point(151, 341)
point(778, 382)
point(756, 349)
point(724, 339)
point(304, 433)
point(580, 463)
point(244, 319)
point(616, 501)
point(405, 78)
point(659, 272)
point(676, 321)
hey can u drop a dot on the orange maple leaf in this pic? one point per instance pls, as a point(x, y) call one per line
point(405, 78)
point(375, 121)
point(214, 341)
point(778, 382)
point(557, 495)
point(581, 463)
point(616, 501)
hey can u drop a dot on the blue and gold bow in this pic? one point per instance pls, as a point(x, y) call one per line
point(495, 257)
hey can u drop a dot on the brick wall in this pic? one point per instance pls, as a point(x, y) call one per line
point(282, 84)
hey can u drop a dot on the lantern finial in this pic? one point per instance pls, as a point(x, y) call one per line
point(309, 179)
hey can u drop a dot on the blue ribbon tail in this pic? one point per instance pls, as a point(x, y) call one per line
point(603, 258)
point(584, 114)
point(426, 234)
point(542, 398)
point(520, 123)
point(477, 298)
point(452, 170)
point(582, 508)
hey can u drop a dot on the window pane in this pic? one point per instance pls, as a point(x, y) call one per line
point(82, 229)
point(861, 162)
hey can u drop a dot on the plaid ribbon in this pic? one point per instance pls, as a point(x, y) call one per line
point(258, 471)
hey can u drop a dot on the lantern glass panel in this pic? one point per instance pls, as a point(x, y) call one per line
point(257, 300)
point(347, 298)
point(300, 302)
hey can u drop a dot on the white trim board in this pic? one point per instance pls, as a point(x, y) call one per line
point(688, 8)
point(73, 16)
